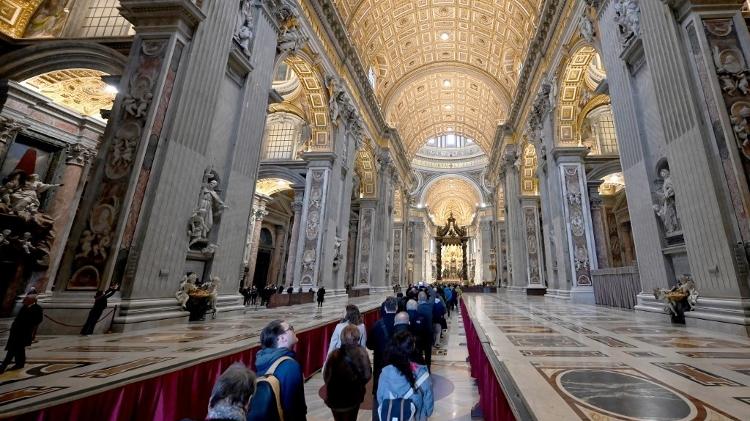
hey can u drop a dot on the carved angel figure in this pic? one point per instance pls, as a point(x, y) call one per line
point(291, 38)
point(244, 32)
point(187, 285)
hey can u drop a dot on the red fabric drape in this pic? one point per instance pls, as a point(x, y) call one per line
point(494, 405)
point(182, 393)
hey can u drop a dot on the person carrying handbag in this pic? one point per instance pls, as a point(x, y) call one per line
point(405, 387)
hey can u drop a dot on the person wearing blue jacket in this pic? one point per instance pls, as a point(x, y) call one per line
point(277, 340)
point(403, 378)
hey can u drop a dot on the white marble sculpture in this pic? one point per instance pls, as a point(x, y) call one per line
point(291, 39)
point(628, 19)
point(26, 197)
point(684, 290)
point(186, 287)
point(213, 294)
point(209, 207)
point(244, 33)
point(666, 208)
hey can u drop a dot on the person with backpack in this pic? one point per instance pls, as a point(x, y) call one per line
point(347, 373)
point(405, 387)
point(280, 389)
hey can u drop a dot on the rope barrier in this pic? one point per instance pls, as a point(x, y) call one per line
point(76, 326)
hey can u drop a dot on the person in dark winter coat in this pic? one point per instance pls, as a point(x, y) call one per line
point(100, 303)
point(379, 336)
point(22, 332)
point(321, 296)
point(346, 376)
point(422, 334)
point(277, 340)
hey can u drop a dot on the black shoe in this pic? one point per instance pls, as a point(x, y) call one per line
point(17, 367)
point(2, 368)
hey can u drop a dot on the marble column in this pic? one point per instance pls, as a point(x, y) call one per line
point(547, 227)
point(501, 254)
point(515, 227)
point(291, 262)
point(580, 235)
point(365, 241)
point(259, 212)
point(419, 246)
point(64, 205)
point(9, 128)
point(534, 260)
point(598, 219)
point(281, 236)
point(351, 248)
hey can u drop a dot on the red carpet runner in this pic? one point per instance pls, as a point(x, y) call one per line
point(182, 393)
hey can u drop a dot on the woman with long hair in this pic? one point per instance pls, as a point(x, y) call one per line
point(347, 373)
point(352, 316)
point(403, 382)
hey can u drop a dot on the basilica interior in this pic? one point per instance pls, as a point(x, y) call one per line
point(571, 164)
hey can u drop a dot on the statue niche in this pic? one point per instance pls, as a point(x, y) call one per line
point(206, 214)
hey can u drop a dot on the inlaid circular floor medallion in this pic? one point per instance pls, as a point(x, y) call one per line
point(624, 395)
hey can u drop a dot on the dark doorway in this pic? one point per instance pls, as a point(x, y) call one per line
point(261, 268)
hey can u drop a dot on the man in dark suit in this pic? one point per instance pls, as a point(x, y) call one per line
point(22, 332)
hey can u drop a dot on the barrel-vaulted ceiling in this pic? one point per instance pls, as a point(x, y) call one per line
point(442, 65)
point(452, 196)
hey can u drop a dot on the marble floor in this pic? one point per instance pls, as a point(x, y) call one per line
point(573, 362)
point(454, 389)
point(64, 368)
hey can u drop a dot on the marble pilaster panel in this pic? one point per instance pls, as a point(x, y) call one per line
point(365, 239)
point(294, 257)
point(578, 221)
point(257, 215)
point(598, 220)
point(534, 259)
point(397, 254)
point(485, 235)
point(516, 238)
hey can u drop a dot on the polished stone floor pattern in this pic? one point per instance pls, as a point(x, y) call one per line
point(64, 368)
point(454, 389)
point(573, 362)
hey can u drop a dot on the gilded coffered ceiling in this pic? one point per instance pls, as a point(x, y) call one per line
point(415, 45)
point(452, 195)
point(81, 90)
point(447, 101)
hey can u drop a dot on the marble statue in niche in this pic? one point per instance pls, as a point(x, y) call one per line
point(586, 27)
point(210, 207)
point(338, 257)
point(666, 208)
point(244, 34)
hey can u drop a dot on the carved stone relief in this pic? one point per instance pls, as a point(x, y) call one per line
point(310, 255)
point(79, 155)
point(532, 244)
point(576, 224)
point(396, 271)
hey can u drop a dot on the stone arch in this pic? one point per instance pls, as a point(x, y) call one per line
point(279, 172)
point(575, 80)
point(58, 55)
point(364, 165)
point(315, 94)
point(432, 181)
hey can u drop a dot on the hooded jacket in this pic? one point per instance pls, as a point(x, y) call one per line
point(290, 376)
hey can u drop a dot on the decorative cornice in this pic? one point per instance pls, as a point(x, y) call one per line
point(158, 13)
point(77, 154)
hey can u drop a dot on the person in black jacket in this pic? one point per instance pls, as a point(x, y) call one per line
point(321, 296)
point(100, 303)
point(379, 336)
point(22, 332)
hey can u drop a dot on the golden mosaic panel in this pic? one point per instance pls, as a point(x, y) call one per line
point(15, 16)
point(81, 90)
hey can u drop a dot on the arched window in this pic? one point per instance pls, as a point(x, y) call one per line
point(283, 134)
point(598, 131)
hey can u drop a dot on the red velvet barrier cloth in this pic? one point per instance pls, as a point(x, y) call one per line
point(494, 405)
point(183, 393)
